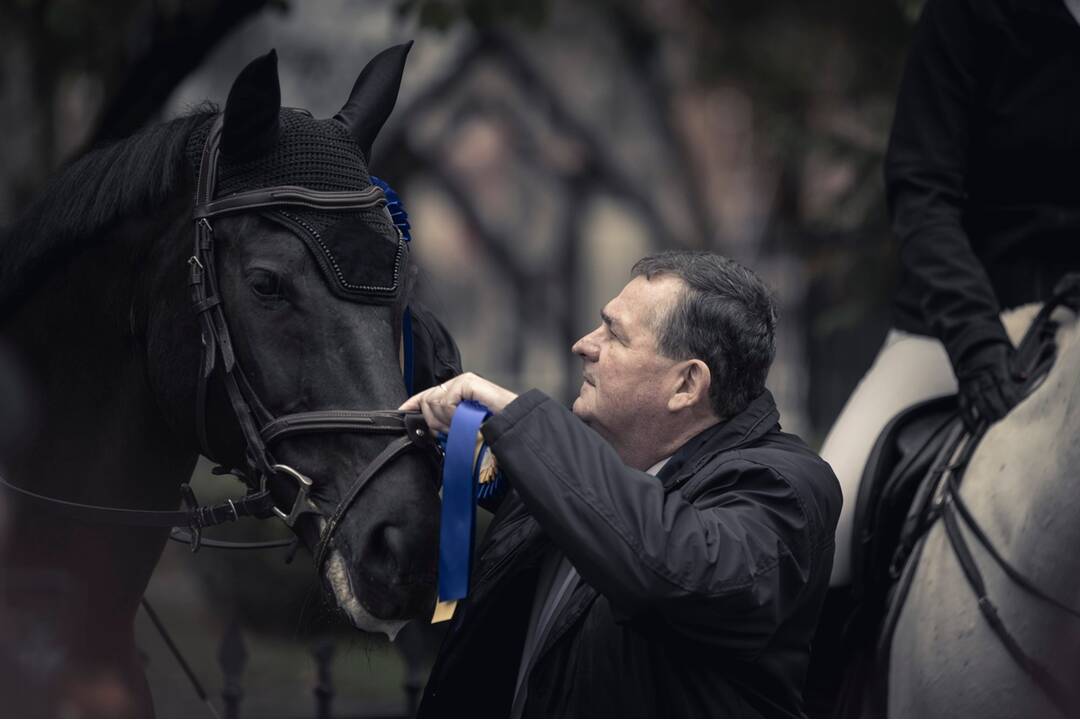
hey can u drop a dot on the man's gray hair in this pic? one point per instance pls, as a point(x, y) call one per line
point(726, 317)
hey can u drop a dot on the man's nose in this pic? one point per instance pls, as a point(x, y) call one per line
point(586, 346)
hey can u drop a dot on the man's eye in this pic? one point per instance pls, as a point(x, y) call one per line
point(265, 283)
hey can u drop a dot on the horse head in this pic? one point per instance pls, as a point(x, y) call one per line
point(311, 298)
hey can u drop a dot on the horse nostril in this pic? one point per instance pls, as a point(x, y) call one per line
point(389, 546)
point(394, 539)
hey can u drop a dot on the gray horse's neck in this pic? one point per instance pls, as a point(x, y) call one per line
point(1024, 480)
point(946, 659)
point(1022, 489)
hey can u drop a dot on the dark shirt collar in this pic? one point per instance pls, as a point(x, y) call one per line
point(757, 419)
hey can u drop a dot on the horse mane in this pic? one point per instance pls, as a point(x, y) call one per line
point(103, 186)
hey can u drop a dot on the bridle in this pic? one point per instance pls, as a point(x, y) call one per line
point(259, 427)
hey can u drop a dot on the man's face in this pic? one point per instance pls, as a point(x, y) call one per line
point(625, 378)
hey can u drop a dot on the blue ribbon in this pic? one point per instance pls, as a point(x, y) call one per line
point(401, 222)
point(461, 487)
point(396, 208)
point(459, 501)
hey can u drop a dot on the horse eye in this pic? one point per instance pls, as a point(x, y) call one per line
point(265, 283)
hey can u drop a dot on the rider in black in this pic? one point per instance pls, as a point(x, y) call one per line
point(981, 179)
point(981, 176)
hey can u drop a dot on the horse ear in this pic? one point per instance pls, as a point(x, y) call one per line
point(251, 112)
point(373, 96)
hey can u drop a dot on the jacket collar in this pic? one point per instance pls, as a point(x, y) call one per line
point(757, 419)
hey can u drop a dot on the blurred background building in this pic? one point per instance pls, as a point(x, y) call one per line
point(541, 147)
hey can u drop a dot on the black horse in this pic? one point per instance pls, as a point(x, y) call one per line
point(95, 302)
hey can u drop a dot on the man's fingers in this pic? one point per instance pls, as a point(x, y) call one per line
point(430, 417)
point(438, 412)
point(438, 403)
point(415, 403)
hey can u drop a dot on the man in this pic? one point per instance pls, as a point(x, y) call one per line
point(665, 549)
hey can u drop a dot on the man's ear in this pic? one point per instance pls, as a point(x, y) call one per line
point(692, 384)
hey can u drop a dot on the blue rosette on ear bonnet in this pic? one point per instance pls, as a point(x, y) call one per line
point(397, 210)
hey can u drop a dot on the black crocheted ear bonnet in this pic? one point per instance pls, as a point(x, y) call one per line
point(361, 253)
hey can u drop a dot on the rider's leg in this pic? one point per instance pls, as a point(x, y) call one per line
point(908, 369)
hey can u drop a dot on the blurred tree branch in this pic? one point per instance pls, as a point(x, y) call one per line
point(181, 36)
point(132, 53)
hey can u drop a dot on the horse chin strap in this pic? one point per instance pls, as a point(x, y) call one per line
point(260, 428)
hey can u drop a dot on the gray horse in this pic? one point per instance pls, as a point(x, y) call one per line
point(1022, 489)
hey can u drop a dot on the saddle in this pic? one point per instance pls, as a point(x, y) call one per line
point(899, 469)
point(890, 509)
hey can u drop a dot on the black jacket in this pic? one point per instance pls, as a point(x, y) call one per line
point(982, 165)
point(700, 587)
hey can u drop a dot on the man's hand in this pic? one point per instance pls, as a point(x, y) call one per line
point(438, 403)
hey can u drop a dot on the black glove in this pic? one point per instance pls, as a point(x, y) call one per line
point(989, 388)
